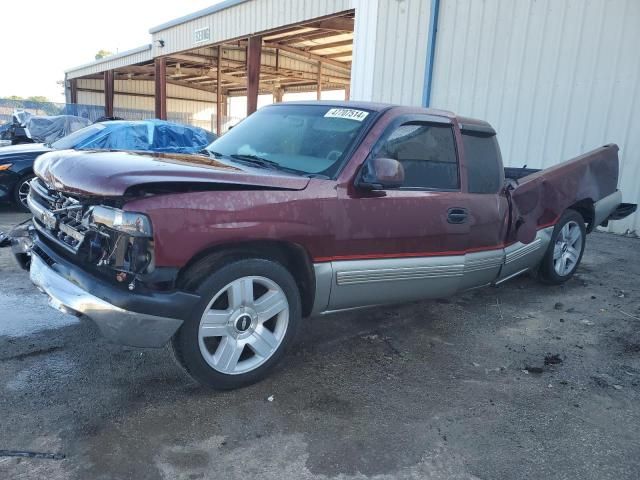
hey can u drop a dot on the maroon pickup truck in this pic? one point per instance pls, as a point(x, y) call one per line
point(302, 209)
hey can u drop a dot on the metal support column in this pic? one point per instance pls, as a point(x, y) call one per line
point(73, 91)
point(319, 82)
point(219, 93)
point(161, 87)
point(108, 93)
point(254, 54)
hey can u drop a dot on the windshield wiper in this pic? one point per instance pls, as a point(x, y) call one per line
point(251, 159)
point(256, 160)
point(316, 175)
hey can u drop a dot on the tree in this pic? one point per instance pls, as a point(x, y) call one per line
point(12, 101)
point(42, 105)
point(61, 84)
point(103, 53)
point(36, 104)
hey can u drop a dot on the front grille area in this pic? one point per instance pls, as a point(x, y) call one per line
point(67, 225)
point(58, 216)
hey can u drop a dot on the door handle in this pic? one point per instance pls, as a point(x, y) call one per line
point(457, 215)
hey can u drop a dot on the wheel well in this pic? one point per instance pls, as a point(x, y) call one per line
point(291, 255)
point(23, 174)
point(586, 209)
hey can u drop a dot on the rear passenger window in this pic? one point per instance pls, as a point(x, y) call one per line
point(484, 163)
point(428, 154)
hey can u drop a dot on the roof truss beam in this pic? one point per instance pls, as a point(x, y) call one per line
point(324, 46)
point(308, 55)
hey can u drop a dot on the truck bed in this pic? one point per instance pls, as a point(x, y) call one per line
point(541, 196)
point(516, 173)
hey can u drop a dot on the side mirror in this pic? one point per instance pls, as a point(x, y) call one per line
point(381, 173)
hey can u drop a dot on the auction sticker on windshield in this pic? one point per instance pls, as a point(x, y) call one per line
point(348, 113)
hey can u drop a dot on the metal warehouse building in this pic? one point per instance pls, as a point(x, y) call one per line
point(554, 77)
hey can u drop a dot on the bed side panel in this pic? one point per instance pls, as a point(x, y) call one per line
point(542, 197)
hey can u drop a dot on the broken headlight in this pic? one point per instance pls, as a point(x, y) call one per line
point(132, 223)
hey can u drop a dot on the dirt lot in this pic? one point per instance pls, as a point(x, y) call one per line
point(435, 390)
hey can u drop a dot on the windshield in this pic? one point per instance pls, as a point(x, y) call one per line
point(73, 139)
point(308, 139)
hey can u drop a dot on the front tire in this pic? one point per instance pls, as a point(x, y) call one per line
point(565, 249)
point(247, 318)
point(21, 192)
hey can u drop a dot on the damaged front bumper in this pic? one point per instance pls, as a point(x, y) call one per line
point(141, 319)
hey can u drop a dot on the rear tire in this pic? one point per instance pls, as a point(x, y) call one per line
point(247, 318)
point(565, 249)
point(21, 191)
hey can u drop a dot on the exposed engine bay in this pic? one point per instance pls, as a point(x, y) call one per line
point(108, 238)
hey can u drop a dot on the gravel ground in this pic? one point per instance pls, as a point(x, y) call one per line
point(436, 390)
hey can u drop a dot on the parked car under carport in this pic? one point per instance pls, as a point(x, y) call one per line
point(27, 128)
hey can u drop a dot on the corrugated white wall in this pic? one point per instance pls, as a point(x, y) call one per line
point(91, 98)
point(555, 78)
point(401, 45)
point(245, 19)
point(198, 104)
point(390, 50)
point(364, 49)
point(147, 87)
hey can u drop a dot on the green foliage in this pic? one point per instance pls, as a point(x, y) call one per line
point(103, 53)
point(35, 104)
point(13, 101)
point(37, 98)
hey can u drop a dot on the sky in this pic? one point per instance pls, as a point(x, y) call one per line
point(43, 38)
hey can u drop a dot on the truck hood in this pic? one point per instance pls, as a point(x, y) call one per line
point(111, 173)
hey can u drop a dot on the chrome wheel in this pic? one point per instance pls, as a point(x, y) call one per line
point(567, 248)
point(243, 325)
point(23, 192)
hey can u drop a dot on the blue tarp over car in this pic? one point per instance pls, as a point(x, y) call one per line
point(140, 135)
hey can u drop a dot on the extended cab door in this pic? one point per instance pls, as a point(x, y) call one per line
point(405, 243)
point(484, 192)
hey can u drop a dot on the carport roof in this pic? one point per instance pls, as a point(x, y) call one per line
point(128, 57)
point(200, 13)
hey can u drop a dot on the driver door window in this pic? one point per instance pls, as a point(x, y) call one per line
point(428, 154)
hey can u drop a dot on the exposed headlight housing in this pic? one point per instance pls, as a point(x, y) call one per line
point(132, 223)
